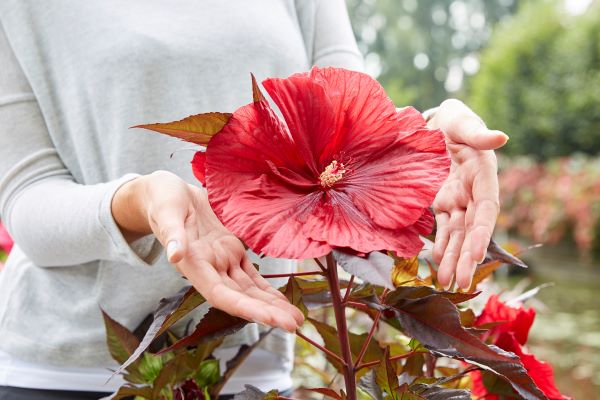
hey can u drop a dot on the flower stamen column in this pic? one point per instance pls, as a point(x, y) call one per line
point(339, 310)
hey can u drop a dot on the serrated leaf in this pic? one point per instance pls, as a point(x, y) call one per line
point(405, 270)
point(253, 393)
point(435, 322)
point(494, 385)
point(432, 392)
point(130, 391)
point(376, 268)
point(198, 129)
point(495, 252)
point(169, 311)
point(293, 292)
point(213, 325)
point(121, 341)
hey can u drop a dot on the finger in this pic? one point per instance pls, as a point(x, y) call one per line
point(250, 288)
point(213, 287)
point(462, 125)
point(486, 208)
point(281, 311)
point(168, 224)
point(465, 266)
point(262, 284)
point(452, 253)
point(442, 236)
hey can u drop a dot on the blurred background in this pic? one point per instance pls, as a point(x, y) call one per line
point(532, 69)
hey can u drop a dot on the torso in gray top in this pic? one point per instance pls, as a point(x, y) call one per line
point(75, 75)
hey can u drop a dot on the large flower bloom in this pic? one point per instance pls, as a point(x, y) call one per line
point(345, 169)
point(511, 335)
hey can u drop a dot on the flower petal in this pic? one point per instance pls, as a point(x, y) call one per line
point(338, 222)
point(309, 116)
point(259, 186)
point(394, 186)
point(199, 167)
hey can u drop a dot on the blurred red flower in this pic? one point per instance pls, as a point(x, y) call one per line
point(6, 242)
point(345, 170)
point(511, 334)
point(189, 390)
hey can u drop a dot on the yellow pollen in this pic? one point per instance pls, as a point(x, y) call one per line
point(333, 173)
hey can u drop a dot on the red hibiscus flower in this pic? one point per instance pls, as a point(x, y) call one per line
point(510, 335)
point(516, 320)
point(345, 169)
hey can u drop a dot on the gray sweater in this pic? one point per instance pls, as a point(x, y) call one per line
point(74, 76)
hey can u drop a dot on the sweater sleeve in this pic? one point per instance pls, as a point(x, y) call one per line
point(54, 220)
point(328, 35)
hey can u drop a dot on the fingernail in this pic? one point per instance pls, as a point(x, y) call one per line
point(172, 247)
point(447, 286)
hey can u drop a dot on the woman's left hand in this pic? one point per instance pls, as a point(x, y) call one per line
point(467, 205)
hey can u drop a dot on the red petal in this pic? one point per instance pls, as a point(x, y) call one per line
point(258, 185)
point(339, 223)
point(395, 186)
point(517, 320)
point(366, 118)
point(308, 114)
point(199, 167)
point(541, 372)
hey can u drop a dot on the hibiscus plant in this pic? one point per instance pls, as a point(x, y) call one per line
point(346, 180)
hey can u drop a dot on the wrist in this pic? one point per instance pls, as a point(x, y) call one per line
point(129, 209)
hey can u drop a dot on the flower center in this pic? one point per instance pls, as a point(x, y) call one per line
point(333, 173)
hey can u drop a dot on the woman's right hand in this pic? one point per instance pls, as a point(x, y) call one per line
point(202, 249)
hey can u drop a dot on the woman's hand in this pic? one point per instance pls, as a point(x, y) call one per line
point(203, 250)
point(467, 205)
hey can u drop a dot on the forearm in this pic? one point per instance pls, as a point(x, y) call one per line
point(129, 209)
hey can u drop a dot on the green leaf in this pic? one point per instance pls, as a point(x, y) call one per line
point(208, 373)
point(150, 366)
point(497, 386)
point(376, 268)
point(435, 322)
point(215, 324)
point(169, 311)
point(198, 129)
point(293, 292)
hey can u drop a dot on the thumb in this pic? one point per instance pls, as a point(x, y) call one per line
point(169, 227)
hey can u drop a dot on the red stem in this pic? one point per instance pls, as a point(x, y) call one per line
point(342, 328)
point(318, 346)
point(320, 264)
point(348, 289)
point(268, 276)
point(376, 362)
point(368, 341)
point(358, 306)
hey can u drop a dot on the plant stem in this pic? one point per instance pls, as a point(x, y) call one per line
point(268, 276)
point(365, 346)
point(358, 306)
point(342, 328)
point(320, 264)
point(395, 358)
point(348, 289)
point(318, 346)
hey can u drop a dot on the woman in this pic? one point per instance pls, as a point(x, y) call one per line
point(90, 204)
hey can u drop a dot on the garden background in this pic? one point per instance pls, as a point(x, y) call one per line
point(532, 69)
